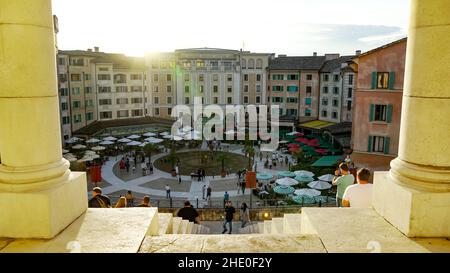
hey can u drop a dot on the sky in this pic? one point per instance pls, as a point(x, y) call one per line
point(292, 27)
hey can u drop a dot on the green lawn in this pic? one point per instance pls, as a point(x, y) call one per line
point(191, 161)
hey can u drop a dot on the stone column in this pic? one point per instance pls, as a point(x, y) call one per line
point(39, 196)
point(415, 195)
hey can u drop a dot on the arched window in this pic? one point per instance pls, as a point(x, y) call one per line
point(259, 63)
point(120, 78)
point(244, 63)
point(251, 63)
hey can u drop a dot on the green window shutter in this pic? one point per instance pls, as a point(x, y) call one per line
point(369, 146)
point(387, 141)
point(391, 80)
point(374, 80)
point(389, 113)
point(372, 112)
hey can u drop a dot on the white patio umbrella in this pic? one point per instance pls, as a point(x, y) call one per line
point(93, 140)
point(110, 138)
point(98, 148)
point(286, 181)
point(164, 134)
point(326, 177)
point(304, 173)
point(292, 133)
point(154, 140)
point(89, 152)
point(64, 151)
point(71, 159)
point(187, 129)
point(307, 192)
point(124, 140)
point(73, 140)
point(149, 134)
point(134, 143)
point(319, 185)
point(133, 137)
point(143, 144)
point(79, 146)
point(106, 142)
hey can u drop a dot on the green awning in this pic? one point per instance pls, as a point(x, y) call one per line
point(326, 161)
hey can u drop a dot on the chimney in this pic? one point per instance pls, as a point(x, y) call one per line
point(358, 52)
point(315, 54)
point(96, 49)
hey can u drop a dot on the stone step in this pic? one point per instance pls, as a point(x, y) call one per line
point(261, 227)
point(165, 223)
point(277, 226)
point(292, 223)
point(176, 225)
point(251, 243)
point(183, 227)
point(267, 226)
point(190, 226)
point(195, 229)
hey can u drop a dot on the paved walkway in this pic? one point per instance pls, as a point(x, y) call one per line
point(143, 184)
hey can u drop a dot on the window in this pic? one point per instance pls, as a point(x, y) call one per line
point(335, 103)
point(336, 77)
point(155, 89)
point(292, 77)
point(230, 89)
point(104, 102)
point(89, 103)
point(277, 77)
point(136, 88)
point(378, 112)
point(307, 112)
point(350, 92)
point(201, 77)
point(157, 111)
point(103, 69)
point(88, 89)
point(135, 77)
point(169, 111)
point(75, 77)
point(136, 100)
point(186, 100)
point(308, 101)
point(291, 100)
point(156, 100)
point(169, 77)
point(200, 64)
point(186, 77)
point(187, 64)
point(324, 102)
point(324, 113)
point(169, 100)
point(277, 99)
point(349, 105)
point(186, 88)
point(77, 61)
point(336, 90)
point(334, 115)
point(251, 64)
point(350, 79)
point(214, 65)
point(61, 61)
point(89, 116)
point(383, 80)
point(245, 99)
point(215, 77)
point(155, 77)
point(378, 144)
point(229, 77)
point(215, 100)
point(292, 88)
point(291, 112)
point(122, 114)
point(201, 88)
point(325, 77)
point(121, 89)
point(104, 77)
point(65, 120)
point(258, 99)
point(122, 101)
point(259, 63)
point(309, 89)
point(277, 88)
point(244, 63)
point(215, 88)
point(309, 77)
point(136, 113)
point(229, 100)
point(64, 106)
point(104, 89)
point(75, 90)
point(258, 77)
point(245, 77)
point(325, 89)
point(87, 77)
point(105, 115)
point(62, 77)
point(64, 91)
point(258, 88)
point(246, 88)
point(77, 118)
point(169, 88)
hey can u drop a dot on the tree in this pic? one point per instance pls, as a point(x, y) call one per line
point(250, 150)
point(150, 149)
point(222, 157)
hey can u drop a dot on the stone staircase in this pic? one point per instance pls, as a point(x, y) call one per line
point(289, 224)
point(168, 224)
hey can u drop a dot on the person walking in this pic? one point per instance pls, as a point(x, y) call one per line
point(130, 199)
point(203, 174)
point(229, 213)
point(208, 193)
point(243, 185)
point(245, 214)
point(179, 179)
point(342, 181)
point(167, 191)
point(226, 198)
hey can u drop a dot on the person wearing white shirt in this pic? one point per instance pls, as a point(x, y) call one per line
point(359, 195)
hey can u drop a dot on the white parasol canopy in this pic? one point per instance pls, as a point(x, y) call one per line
point(304, 173)
point(133, 137)
point(307, 192)
point(110, 138)
point(154, 140)
point(319, 185)
point(134, 143)
point(149, 134)
point(93, 140)
point(73, 140)
point(106, 142)
point(98, 148)
point(124, 140)
point(326, 177)
point(79, 146)
point(287, 181)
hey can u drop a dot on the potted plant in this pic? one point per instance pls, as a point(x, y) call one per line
point(172, 159)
